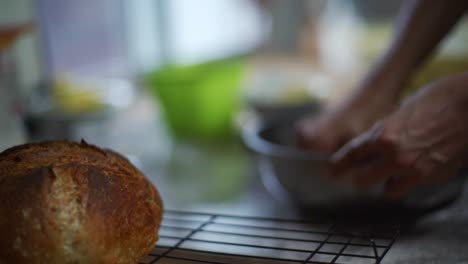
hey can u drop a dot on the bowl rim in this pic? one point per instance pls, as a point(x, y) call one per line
point(253, 138)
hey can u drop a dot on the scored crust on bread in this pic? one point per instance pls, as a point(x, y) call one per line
point(66, 202)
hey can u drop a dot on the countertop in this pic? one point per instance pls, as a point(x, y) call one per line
point(440, 237)
point(222, 180)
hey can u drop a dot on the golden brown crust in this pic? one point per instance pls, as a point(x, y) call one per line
point(65, 202)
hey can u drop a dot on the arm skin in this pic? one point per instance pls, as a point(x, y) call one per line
point(421, 25)
point(423, 142)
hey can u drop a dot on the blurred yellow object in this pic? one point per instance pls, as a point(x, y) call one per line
point(294, 95)
point(72, 98)
point(437, 68)
point(451, 58)
point(373, 40)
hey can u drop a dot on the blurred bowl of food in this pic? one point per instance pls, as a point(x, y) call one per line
point(274, 95)
point(299, 176)
point(65, 106)
point(295, 174)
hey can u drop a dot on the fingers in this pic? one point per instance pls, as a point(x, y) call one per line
point(352, 155)
point(368, 159)
point(398, 187)
point(377, 173)
point(311, 136)
point(318, 143)
point(365, 155)
point(444, 172)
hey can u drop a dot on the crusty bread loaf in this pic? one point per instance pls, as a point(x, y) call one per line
point(64, 202)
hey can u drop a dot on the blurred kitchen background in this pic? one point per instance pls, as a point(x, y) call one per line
point(171, 84)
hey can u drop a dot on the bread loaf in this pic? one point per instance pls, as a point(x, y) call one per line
point(64, 202)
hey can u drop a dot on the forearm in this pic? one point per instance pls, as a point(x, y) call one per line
point(421, 25)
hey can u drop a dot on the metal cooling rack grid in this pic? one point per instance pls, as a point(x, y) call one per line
point(189, 237)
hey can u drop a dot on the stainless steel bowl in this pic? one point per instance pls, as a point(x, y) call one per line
point(290, 173)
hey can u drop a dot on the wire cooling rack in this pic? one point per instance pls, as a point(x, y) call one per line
point(189, 237)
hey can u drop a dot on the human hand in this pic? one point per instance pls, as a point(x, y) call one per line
point(424, 142)
point(331, 129)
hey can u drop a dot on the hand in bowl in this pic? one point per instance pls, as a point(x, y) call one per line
point(424, 142)
point(330, 130)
